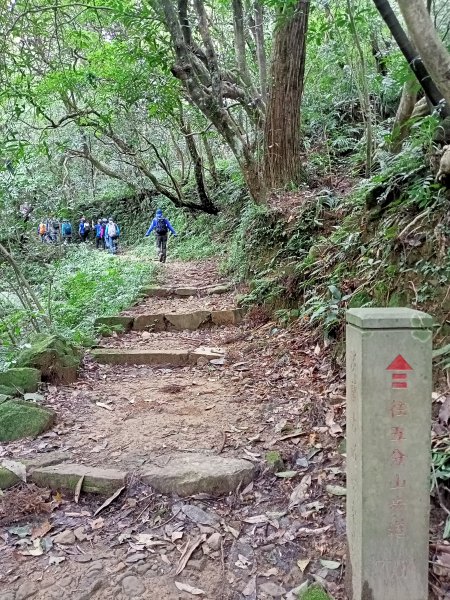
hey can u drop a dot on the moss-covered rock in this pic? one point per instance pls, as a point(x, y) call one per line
point(274, 461)
point(7, 391)
point(57, 359)
point(314, 593)
point(25, 379)
point(19, 419)
point(115, 323)
point(7, 478)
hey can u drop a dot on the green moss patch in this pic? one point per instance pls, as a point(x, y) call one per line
point(20, 419)
point(24, 379)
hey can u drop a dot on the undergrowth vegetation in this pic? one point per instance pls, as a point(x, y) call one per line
point(79, 286)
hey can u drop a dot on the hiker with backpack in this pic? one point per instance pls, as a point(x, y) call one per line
point(84, 229)
point(52, 226)
point(42, 231)
point(66, 231)
point(100, 234)
point(161, 226)
point(112, 233)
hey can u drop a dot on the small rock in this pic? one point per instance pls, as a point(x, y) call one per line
point(26, 590)
point(214, 541)
point(202, 361)
point(66, 537)
point(274, 461)
point(198, 515)
point(90, 589)
point(272, 589)
point(132, 586)
point(198, 564)
point(142, 569)
point(146, 335)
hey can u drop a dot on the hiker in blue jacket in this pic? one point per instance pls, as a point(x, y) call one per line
point(161, 226)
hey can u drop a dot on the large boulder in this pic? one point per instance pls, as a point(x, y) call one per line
point(57, 359)
point(20, 419)
point(19, 379)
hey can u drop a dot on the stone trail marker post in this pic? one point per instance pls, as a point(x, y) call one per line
point(388, 453)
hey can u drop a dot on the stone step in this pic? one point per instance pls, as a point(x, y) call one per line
point(136, 356)
point(67, 475)
point(155, 291)
point(174, 321)
point(186, 474)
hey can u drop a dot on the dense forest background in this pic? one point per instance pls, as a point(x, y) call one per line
point(304, 142)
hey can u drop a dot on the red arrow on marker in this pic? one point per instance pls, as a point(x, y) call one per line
point(399, 364)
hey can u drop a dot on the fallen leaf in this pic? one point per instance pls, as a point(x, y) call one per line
point(33, 397)
point(187, 552)
point(250, 588)
point(79, 534)
point(146, 539)
point(330, 564)
point(78, 489)
point(302, 563)
point(55, 560)
point(21, 531)
point(108, 501)
point(336, 490)
point(286, 474)
point(103, 405)
point(185, 587)
point(97, 524)
point(256, 519)
point(42, 530)
point(300, 493)
point(176, 535)
point(16, 467)
point(444, 412)
point(133, 558)
point(36, 550)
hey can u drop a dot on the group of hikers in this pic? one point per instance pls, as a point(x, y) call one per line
point(106, 232)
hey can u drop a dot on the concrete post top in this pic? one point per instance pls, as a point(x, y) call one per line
point(389, 318)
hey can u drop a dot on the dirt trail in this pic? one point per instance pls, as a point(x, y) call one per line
point(126, 417)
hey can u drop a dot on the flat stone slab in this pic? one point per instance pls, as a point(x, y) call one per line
point(185, 291)
point(66, 476)
point(154, 322)
point(232, 316)
point(8, 478)
point(187, 321)
point(187, 474)
point(131, 356)
point(115, 321)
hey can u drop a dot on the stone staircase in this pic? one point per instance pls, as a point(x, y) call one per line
point(168, 321)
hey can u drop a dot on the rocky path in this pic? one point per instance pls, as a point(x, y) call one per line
point(218, 447)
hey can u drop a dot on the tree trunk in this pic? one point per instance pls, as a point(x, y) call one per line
point(205, 200)
point(410, 53)
point(282, 164)
point(426, 39)
point(211, 162)
point(258, 32)
point(239, 39)
point(402, 125)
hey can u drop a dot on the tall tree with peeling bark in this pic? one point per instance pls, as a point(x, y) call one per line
point(282, 137)
point(425, 37)
point(210, 86)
